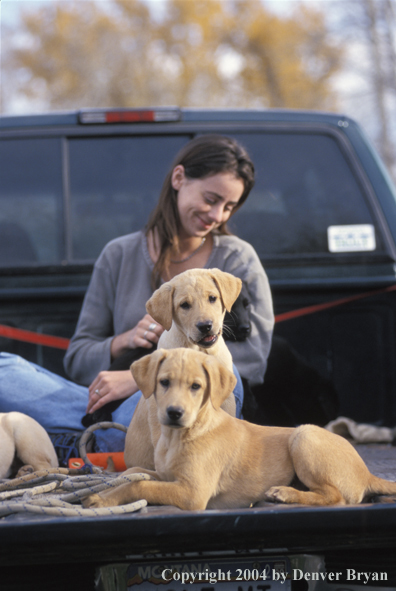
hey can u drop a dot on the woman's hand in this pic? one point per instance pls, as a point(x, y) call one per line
point(108, 386)
point(145, 334)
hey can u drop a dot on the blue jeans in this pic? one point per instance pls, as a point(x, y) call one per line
point(59, 405)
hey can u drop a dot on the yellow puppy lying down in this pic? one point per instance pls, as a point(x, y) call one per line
point(207, 459)
point(24, 444)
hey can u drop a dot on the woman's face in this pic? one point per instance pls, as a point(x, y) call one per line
point(204, 204)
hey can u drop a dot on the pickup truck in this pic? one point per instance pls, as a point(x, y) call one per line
point(322, 217)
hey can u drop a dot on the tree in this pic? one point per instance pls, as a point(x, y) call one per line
point(83, 56)
point(289, 61)
point(369, 26)
point(118, 54)
point(191, 36)
point(379, 24)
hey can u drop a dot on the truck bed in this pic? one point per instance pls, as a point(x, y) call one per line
point(347, 537)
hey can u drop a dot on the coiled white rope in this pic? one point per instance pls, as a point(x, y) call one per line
point(72, 512)
point(53, 493)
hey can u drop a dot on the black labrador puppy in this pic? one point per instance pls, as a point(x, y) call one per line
point(293, 392)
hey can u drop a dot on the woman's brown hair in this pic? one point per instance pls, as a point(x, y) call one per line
point(204, 156)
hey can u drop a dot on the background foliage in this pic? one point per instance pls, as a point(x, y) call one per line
point(84, 54)
point(207, 53)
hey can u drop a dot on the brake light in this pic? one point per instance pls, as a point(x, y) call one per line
point(130, 116)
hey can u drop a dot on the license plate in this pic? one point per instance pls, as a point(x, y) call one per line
point(207, 575)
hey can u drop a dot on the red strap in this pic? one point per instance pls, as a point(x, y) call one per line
point(319, 307)
point(60, 343)
point(33, 337)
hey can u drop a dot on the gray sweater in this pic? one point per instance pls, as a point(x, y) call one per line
point(120, 286)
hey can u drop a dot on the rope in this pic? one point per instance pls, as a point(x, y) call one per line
point(28, 336)
point(6, 509)
point(327, 305)
point(53, 492)
point(88, 432)
point(33, 478)
point(36, 490)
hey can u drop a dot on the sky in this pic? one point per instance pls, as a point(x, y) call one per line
point(9, 9)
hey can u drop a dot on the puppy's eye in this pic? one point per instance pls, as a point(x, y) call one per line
point(212, 299)
point(245, 303)
point(195, 386)
point(185, 306)
point(165, 383)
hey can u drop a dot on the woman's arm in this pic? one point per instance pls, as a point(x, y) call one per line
point(113, 316)
point(89, 350)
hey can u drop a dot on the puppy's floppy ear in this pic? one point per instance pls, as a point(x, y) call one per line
point(159, 306)
point(228, 285)
point(221, 381)
point(145, 371)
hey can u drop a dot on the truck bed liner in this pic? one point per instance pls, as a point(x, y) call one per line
point(28, 539)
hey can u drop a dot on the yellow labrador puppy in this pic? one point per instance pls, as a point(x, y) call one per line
point(207, 459)
point(191, 307)
point(24, 444)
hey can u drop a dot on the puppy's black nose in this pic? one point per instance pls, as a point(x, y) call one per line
point(205, 327)
point(174, 413)
point(243, 331)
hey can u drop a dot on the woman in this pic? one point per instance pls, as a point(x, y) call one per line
point(209, 180)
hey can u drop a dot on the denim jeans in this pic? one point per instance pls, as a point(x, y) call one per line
point(59, 404)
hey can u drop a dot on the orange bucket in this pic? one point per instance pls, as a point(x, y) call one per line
point(101, 460)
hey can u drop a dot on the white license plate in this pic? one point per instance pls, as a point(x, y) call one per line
point(237, 574)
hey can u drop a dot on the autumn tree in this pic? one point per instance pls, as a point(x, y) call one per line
point(192, 35)
point(233, 53)
point(289, 61)
point(84, 56)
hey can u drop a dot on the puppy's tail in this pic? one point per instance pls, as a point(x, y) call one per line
point(380, 486)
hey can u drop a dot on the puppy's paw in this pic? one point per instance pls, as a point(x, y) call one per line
point(278, 494)
point(24, 470)
point(94, 500)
